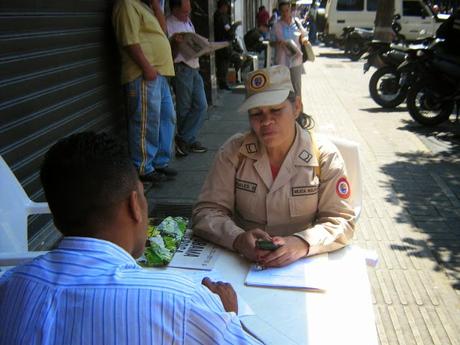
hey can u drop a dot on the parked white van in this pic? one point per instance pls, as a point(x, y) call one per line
point(417, 19)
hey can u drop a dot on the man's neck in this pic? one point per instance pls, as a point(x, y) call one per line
point(182, 21)
point(287, 20)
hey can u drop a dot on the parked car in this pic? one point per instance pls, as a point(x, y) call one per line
point(417, 20)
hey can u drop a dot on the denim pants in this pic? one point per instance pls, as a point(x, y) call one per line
point(151, 123)
point(191, 103)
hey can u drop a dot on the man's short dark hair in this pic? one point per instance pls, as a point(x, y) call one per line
point(175, 3)
point(281, 3)
point(85, 176)
point(221, 3)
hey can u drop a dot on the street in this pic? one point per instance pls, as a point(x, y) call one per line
point(411, 187)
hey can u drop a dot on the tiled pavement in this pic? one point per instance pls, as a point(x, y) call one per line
point(411, 214)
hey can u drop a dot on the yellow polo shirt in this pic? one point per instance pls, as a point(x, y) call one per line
point(135, 23)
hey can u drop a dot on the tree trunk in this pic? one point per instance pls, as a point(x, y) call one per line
point(383, 19)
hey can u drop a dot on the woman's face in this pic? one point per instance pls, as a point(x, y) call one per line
point(285, 12)
point(274, 125)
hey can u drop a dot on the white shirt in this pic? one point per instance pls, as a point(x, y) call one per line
point(175, 26)
point(92, 292)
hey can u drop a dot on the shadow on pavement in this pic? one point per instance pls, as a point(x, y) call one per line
point(338, 55)
point(384, 110)
point(427, 185)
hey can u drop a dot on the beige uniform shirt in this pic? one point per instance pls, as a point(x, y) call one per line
point(240, 194)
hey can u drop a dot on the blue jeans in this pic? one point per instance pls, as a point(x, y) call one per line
point(191, 104)
point(151, 123)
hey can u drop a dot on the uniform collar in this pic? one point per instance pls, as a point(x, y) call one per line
point(301, 152)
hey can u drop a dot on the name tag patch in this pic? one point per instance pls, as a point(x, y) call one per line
point(304, 190)
point(245, 185)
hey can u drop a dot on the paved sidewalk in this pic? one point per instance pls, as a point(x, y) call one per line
point(411, 214)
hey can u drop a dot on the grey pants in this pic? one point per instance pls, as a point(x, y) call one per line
point(296, 78)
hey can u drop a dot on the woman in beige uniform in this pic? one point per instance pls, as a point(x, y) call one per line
point(276, 182)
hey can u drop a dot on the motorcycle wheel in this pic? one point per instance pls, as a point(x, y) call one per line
point(387, 75)
point(355, 51)
point(424, 107)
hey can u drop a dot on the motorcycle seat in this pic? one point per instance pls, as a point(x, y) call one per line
point(397, 55)
point(399, 47)
point(379, 43)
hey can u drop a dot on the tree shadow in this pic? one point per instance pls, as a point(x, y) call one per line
point(427, 186)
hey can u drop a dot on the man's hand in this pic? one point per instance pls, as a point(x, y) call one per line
point(225, 292)
point(178, 38)
point(292, 248)
point(150, 73)
point(245, 244)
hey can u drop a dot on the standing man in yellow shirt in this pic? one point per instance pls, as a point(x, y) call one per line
point(146, 63)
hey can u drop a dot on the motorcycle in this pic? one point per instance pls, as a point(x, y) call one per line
point(356, 41)
point(388, 86)
point(239, 58)
point(384, 85)
point(436, 89)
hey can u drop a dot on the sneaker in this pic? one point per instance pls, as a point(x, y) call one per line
point(181, 148)
point(196, 147)
point(169, 172)
point(154, 177)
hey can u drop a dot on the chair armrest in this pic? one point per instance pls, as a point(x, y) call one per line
point(14, 259)
point(38, 208)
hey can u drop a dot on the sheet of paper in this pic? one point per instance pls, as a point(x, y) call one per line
point(195, 253)
point(308, 273)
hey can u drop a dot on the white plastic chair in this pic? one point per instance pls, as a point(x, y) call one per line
point(350, 153)
point(15, 207)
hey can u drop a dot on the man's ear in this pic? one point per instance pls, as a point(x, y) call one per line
point(134, 206)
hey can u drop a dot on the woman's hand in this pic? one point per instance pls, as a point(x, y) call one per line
point(292, 248)
point(281, 44)
point(245, 244)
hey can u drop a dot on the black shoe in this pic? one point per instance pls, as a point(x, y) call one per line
point(169, 172)
point(181, 148)
point(154, 177)
point(196, 147)
point(224, 87)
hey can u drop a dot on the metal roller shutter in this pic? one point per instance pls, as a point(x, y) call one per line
point(59, 74)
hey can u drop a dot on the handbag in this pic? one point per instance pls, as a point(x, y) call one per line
point(307, 50)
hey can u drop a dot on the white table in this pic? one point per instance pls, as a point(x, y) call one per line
point(341, 315)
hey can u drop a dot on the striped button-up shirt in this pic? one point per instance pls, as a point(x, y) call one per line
point(91, 291)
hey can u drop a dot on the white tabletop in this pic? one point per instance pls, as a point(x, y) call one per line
point(343, 314)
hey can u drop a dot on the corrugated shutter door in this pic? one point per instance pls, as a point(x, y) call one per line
point(58, 75)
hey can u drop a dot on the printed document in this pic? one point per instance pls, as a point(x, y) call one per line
point(310, 273)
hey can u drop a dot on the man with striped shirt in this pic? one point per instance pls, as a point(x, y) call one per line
point(90, 290)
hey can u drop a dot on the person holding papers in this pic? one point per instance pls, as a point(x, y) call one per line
point(90, 289)
point(191, 104)
point(277, 182)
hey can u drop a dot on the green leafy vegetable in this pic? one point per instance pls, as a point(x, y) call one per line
point(163, 241)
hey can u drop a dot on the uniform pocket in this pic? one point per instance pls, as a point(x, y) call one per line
point(303, 205)
point(249, 206)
